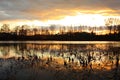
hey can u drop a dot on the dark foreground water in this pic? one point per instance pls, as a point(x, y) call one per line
point(55, 60)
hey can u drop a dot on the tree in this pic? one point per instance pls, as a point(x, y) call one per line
point(23, 30)
point(116, 23)
point(109, 23)
point(112, 23)
point(5, 28)
point(16, 29)
point(118, 28)
point(35, 31)
point(52, 28)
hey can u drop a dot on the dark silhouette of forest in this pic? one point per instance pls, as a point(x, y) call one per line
point(78, 36)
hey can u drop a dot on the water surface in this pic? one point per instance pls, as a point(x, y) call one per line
point(63, 55)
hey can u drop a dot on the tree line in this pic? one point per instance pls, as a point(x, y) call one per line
point(56, 32)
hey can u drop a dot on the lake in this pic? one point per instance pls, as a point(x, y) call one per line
point(49, 60)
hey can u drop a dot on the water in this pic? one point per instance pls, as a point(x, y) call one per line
point(93, 56)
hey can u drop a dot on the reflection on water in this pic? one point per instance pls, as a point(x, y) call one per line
point(94, 53)
point(77, 55)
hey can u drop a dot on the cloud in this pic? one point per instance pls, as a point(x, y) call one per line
point(55, 9)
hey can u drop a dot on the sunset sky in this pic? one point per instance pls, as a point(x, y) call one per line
point(63, 12)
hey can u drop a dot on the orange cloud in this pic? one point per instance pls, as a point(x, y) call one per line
point(43, 10)
point(56, 14)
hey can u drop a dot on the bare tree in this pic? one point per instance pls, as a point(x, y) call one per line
point(118, 28)
point(16, 29)
point(5, 28)
point(35, 31)
point(23, 30)
point(112, 23)
point(52, 28)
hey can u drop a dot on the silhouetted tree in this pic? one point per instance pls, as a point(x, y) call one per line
point(52, 28)
point(35, 31)
point(118, 28)
point(5, 28)
point(109, 23)
point(23, 30)
point(17, 28)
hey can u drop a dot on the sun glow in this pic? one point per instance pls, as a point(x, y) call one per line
point(95, 20)
point(92, 20)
